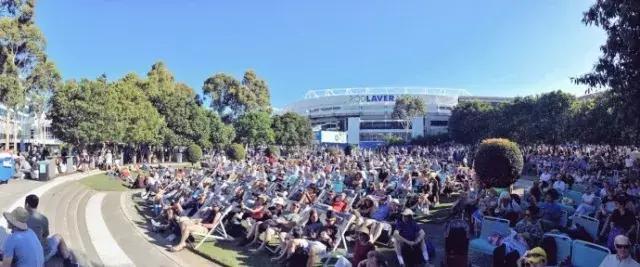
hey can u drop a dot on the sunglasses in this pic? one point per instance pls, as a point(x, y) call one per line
point(622, 246)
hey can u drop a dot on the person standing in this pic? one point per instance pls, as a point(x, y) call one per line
point(22, 248)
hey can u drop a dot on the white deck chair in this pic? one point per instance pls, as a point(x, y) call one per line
point(218, 228)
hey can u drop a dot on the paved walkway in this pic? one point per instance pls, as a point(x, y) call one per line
point(102, 228)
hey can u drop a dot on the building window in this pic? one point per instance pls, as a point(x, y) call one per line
point(381, 125)
point(439, 123)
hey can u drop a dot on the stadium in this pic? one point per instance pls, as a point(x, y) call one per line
point(362, 116)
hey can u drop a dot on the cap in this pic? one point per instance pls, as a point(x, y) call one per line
point(407, 212)
point(621, 240)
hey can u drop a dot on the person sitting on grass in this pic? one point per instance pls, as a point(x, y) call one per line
point(299, 251)
point(409, 241)
point(374, 259)
point(198, 226)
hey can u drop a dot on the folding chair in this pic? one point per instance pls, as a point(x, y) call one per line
point(589, 223)
point(217, 228)
point(575, 196)
point(579, 188)
point(563, 245)
point(564, 219)
point(490, 225)
point(585, 254)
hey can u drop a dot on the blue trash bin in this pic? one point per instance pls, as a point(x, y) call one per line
point(7, 167)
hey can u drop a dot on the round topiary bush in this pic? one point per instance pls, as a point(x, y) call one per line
point(236, 152)
point(194, 153)
point(498, 163)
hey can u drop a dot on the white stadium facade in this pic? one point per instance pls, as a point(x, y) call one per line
point(362, 116)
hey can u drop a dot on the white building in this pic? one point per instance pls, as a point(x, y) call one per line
point(27, 128)
point(365, 113)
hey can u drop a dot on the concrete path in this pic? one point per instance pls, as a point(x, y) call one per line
point(102, 228)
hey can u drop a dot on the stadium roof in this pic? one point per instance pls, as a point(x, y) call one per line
point(311, 94)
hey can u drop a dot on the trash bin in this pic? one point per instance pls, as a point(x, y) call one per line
point(7, 167)
point(51, 169)
point(42, 170)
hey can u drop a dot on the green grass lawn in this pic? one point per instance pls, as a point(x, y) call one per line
point(226, 254)
point(102, 182)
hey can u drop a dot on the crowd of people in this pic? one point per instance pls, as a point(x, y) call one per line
point(306, 205)
point(314, 202)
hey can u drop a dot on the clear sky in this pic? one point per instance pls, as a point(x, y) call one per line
point(489, 47)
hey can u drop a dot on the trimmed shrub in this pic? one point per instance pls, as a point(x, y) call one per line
point(194, 153)
point(498, 163)
point(236, 152)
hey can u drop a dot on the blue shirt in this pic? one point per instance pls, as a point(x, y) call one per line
point(408, 230)
point(381, 213)
point(551, 211)
point(25, 249)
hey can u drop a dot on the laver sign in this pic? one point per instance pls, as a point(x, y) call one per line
point(372, 98)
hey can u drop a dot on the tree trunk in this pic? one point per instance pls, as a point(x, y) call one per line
point(7, 129)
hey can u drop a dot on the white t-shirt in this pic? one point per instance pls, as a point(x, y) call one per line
point(559, 185)
point(588, 198)
point(612, 260)
point(628, 162)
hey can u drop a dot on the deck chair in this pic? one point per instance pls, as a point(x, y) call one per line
point(563, 245)
point(346, 219)
point(585, 254)
point(575, 196)
point(489, 226)
point(597, 202)
point(218, 232)
point(589, 223)
point(564, 219)
point(579, 188)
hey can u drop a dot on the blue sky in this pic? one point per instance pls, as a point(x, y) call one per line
point(490, 47)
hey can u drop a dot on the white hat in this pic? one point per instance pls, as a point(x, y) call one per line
point(279, 200)
point(407, 212)
point(395, 201)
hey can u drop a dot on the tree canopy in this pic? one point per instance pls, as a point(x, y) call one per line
point(254, 129)
point(618, 68)
point(291, 129)
point(231, 98)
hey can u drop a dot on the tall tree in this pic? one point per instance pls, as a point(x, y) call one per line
point(292, 129)
point(406, 108)
point(231, 98)
point(471, 122)
point(254, 129)
point(618, 68)
point(221, 133)
point(24, 67)
point(84, 112)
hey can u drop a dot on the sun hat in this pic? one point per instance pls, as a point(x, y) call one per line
point(279, 200)
point(621, 240)
point(407, 212)
point(536, 255)
point(18, 217)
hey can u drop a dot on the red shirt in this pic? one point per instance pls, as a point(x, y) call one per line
point(360, 252)
point(339, 206)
